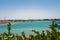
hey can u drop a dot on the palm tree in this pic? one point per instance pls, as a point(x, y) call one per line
point(38, 36)
point(53, 30)
point(9, 27)
point(31, 37)
point(24, 37)
point(52, 26)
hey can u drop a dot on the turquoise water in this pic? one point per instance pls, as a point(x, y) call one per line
point(27, 27)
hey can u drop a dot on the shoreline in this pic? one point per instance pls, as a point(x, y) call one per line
point(4, 23)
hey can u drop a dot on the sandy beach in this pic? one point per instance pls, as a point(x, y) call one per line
point(2, 23)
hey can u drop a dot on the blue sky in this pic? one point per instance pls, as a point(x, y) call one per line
point(29, 9)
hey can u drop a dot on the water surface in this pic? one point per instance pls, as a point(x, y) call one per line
point(27, 27)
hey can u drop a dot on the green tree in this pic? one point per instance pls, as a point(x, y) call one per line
point(53, 30)
point(24, 37)
point(9, 27)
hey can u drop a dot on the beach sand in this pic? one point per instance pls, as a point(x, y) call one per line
point(1, 23)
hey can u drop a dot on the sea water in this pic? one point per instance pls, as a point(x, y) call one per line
point(26, 27)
